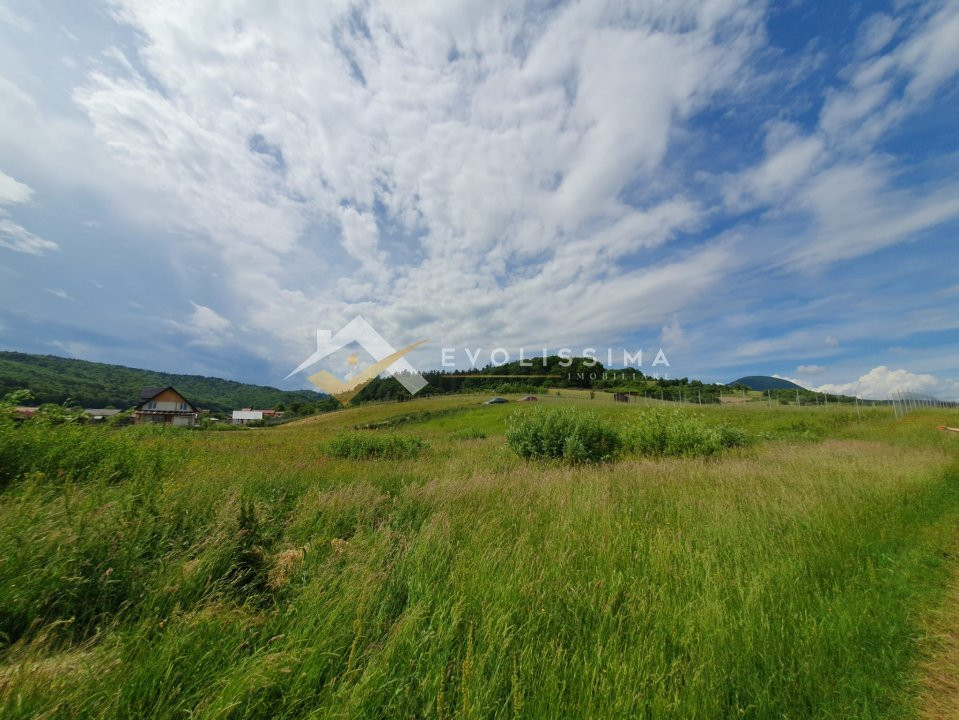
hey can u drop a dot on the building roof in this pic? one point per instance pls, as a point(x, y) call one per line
point(148, 393)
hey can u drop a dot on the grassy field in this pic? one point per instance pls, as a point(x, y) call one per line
point(257, 574)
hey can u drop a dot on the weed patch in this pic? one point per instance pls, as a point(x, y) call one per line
point(359, 446)
point(565, 434)
point(667, 433)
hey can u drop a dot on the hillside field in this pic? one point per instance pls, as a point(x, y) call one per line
point(255, 574)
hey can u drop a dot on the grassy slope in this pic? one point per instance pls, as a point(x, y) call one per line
point(56, 379)
point(785, 580)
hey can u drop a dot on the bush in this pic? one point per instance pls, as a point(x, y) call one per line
point(364, 446)
point(670, 433)
point(565, 434)
point(730, 436)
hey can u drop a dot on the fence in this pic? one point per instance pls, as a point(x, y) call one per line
point(905, 402)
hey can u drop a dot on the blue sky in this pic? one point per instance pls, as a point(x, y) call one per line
point(756, 188)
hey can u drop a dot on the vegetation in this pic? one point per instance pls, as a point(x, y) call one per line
point(668, 433)
point(57, 380)
point(584, 373)
point(564, 434)
point(766, 382)
point(170, 574)
point(365, 446)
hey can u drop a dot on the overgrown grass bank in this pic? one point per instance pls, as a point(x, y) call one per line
point(255, 575)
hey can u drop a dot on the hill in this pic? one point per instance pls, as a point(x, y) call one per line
point(55, 379)
point(766, 382)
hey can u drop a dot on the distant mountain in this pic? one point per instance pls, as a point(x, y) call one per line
point(766, 382)
point(55, 379)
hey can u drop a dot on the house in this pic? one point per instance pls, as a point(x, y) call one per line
point(242, 417)
point(164, 406)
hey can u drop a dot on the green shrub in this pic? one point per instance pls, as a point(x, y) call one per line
point(730, 436)
point(669, 433)
point(366, 446)
point(565, 434)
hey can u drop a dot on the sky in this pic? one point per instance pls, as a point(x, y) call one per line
point(755, 188)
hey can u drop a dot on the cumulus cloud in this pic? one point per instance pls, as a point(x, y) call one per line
point(520, 173)
point(881, 382)
point(205, 326)
point(457, 159)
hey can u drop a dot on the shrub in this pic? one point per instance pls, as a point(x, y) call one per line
point(364, 446)
point(669, 433)
point(565, 434)
point(730, 436)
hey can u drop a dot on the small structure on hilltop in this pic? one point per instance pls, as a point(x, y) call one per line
point(164, 406)
point(496, 401)
point(621, 397)
point(529, 398)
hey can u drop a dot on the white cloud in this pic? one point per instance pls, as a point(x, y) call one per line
point(487, 170)
point(831, 341)
point(810, 369)
point(205, 325)
point(672, 335)
point(16, 237)
point(13, 191)
point(880, 382)
point(876, 33)
point(494, 141)
point(844, 194)
point(60, 293)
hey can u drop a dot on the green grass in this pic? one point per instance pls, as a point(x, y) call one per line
point(360, 446)
point(260, 575)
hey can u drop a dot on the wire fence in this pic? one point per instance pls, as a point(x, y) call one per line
point(905, 402)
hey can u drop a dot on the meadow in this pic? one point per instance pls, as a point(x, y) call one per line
point(403, 560)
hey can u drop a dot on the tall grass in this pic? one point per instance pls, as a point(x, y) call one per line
point(670, 433)
point(259, 577)
point(366, 446)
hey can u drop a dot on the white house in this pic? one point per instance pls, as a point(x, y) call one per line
point(242, 417)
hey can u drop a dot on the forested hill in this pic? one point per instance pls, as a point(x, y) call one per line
point(90, 384)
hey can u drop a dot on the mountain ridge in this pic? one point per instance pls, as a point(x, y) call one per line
point(54, 379)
